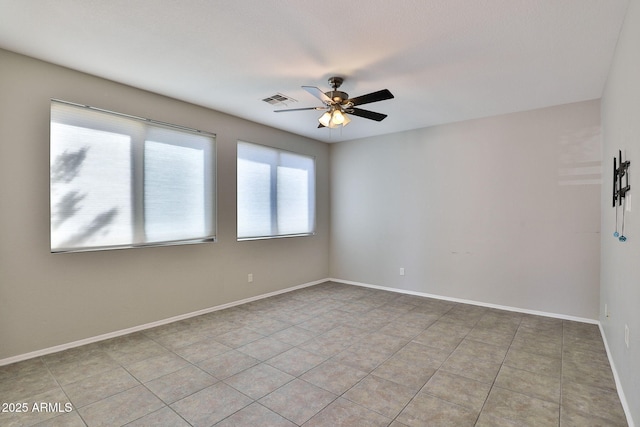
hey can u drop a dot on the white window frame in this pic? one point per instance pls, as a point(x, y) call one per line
point(109, 121)
point(276, 161)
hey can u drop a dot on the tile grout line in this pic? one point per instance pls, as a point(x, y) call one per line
point(443, 362)
point(342, 395)
point(498, 373)
point(393, 354)
point(77, 410)
point(219, 380)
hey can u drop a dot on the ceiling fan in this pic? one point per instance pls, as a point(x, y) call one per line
point(337, 104)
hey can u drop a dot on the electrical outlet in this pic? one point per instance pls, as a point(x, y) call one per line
point(402, 271)
point(626, 335)
point(250, 278)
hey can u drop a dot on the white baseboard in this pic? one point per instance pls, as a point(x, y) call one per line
point(90, 340)
point(145, 326)
point(621, 395)
point(471, 302)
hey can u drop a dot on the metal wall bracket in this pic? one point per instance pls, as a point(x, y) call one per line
point(620, 171)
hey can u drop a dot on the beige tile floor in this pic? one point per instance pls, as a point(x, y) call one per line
point(328, 355)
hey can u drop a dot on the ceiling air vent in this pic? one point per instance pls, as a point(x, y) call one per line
point(279, 99)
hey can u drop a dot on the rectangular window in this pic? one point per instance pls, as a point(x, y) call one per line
point(119, 181)
point(276, 193)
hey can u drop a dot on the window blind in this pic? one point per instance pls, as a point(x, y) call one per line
point(276, 192)
point(119, 181)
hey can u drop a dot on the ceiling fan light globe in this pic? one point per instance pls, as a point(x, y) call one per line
point(325, 119)
point(337, 117)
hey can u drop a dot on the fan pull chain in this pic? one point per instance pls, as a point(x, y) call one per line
point(622, 237)
point(615, 233)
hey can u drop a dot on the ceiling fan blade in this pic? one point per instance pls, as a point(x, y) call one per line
point(299, 109)
point(371, 115)
point(318, 94)
point(380, 95)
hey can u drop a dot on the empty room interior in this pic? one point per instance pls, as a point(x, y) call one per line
point(284, 213)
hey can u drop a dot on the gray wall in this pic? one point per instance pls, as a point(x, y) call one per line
point(502, 210)
point(48, 300)
point(620, 278)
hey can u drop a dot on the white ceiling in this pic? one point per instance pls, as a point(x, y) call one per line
point(444, 60)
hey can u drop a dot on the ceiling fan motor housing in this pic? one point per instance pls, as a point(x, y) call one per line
point(337, 96)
